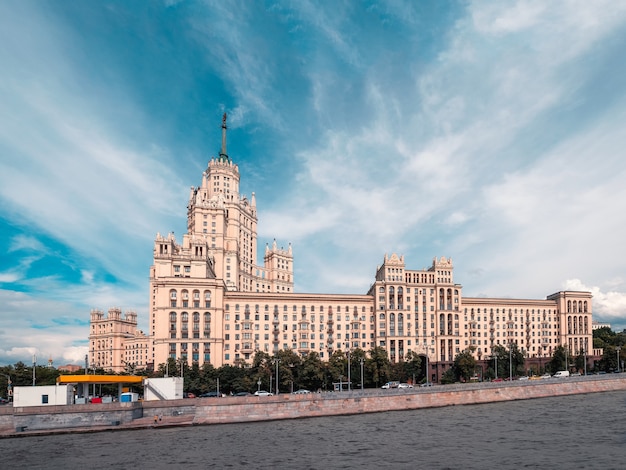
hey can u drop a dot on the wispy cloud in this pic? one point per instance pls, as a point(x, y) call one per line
point(486, 132)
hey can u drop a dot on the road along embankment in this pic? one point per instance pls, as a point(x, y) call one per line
point(202, 411)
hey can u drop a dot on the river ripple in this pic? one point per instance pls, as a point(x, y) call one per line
point(570, 432)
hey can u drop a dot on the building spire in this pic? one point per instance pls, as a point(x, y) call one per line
point(223, 154)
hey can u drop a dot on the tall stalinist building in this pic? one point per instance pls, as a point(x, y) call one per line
point(211, 302)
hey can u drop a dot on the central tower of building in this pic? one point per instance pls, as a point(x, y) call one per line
point(218, 254)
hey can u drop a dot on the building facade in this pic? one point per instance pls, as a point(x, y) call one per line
point(211, 302)
point(115, 342)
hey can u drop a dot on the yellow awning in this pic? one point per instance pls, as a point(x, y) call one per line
point(100, 379)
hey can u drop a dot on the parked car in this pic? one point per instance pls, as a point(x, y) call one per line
point(302, 391)
point(498, 379)
point(391, 385)
point(262, 393)
point(210, 394)
point(426, 384)
point(546, 376)
point(561, 374)
point(189, 395)
point(4, 401)
point(243, 394)
point(524, 377)
point(403, 385)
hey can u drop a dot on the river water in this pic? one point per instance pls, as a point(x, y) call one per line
point(570, 432)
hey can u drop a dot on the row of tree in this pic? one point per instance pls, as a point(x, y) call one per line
point(373, 368)
point(296, 372)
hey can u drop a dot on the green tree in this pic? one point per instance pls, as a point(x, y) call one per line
point(603, 337)
point(449, 376)
point(580, 361)
point(288, 369)
point(499, 362)
point(608, 363)
point(355, 367)
point(378, 366)
point(412, 366)
point(464, 366)
point(517, 360)
point(311, 372)
point(559, 360)
point(337, 366)
point(261, 370)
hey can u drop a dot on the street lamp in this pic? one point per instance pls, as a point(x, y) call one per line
point(9, 388)
point(35, 365)
point(617, 350)
point(258, 383)
point(510, 361)
point(348, 371)
point(361, 361)
point(276, 361)
point(496, 365)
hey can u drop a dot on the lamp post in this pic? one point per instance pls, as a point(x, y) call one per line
point(617, 350)
point(34, 365)
point(9, 388)
point(361, 361)
point(276, 361)
point(585, 356)
point(510, 361)
point(258, 384)
point(348, 371)
point(496, 359)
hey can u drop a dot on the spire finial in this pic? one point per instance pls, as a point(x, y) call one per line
point(223, 153)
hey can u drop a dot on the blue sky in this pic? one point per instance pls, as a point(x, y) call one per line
point(490, 132)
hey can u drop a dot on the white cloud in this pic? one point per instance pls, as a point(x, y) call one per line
point(607, 305)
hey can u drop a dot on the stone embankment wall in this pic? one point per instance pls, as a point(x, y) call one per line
point(23, 421)
point(49, 418)
point(229, 410)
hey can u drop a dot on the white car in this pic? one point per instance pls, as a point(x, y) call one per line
point(262, 393)
point(391, 385)
point(405, 386)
